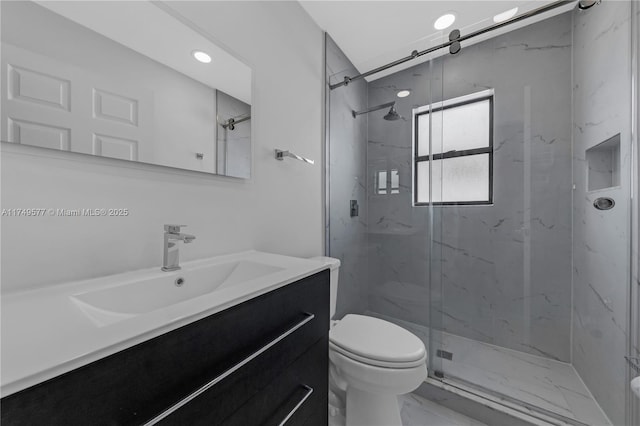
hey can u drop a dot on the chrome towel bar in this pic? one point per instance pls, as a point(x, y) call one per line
point(280, 154)
point(232, 370)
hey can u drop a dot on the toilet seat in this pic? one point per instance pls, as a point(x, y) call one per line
point(376, 342)
point(377, 362)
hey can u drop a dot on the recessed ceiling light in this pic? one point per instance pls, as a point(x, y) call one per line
point(500, 17)
point(445, 21)
point(201, 56)
point(404, 93)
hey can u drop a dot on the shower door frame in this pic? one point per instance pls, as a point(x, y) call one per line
point(633, 403)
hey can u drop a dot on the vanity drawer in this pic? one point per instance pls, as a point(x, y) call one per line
point(135, 385)
point(298, 392)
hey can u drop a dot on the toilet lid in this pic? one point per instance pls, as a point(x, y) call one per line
point(376, 340)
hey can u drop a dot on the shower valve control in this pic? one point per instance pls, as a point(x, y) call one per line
point(353, 208)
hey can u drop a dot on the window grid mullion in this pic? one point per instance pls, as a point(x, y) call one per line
point(454, 154)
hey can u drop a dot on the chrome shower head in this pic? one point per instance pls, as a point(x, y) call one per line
point(392, 115)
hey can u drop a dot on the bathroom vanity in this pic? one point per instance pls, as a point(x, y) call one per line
point(261, 357)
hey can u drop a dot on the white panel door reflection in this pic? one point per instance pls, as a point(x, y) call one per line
point(53, 105)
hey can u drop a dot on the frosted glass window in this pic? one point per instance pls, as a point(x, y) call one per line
point(424, 178)
point(423, 132)
point(455, 128)
point(455, 166)
point(455, 180)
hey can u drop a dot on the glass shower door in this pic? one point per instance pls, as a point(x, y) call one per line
point(402, 278)
point(534, 264)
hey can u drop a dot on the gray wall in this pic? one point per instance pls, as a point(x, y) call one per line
point(347, 148)
point(505, 268)
point(602, 99)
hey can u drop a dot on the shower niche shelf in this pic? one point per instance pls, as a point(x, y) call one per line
point(603, 163)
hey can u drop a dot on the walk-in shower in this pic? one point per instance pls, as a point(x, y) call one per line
point(480, 226)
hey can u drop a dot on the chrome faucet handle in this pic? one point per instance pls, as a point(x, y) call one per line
point(173, 229)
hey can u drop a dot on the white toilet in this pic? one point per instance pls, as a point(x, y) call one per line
point(373, 361)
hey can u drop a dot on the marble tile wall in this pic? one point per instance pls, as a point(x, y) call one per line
point(347, 153)
point(502, 272)
point(602, 99)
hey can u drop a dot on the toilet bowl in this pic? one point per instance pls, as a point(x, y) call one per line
point(376, 361)
point(372, 361)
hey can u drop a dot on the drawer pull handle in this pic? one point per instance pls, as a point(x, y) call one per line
point(230, 371)
point(298, 405)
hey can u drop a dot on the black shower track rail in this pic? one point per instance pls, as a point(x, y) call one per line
point(454, 41)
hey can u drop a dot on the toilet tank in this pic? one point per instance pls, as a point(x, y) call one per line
point(334, 265)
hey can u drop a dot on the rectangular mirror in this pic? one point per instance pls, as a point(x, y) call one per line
point(129, 80)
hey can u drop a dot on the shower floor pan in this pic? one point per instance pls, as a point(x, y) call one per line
point(519, 380)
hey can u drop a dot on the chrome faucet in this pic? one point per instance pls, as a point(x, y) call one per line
point(171, 258)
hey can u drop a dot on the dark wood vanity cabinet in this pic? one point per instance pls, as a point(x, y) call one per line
point(260, 362)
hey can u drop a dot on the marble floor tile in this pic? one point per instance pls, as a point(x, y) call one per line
point(417, 411)
point(545, 383)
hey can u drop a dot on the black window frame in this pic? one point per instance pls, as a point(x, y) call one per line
point(453, 154)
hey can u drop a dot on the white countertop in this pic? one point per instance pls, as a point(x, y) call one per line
point(44, 334)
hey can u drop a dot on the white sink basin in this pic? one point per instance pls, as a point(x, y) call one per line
point(112, 304)
point(80, 322)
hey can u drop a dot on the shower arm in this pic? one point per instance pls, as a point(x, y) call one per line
point(454, 37)
point(375, 108)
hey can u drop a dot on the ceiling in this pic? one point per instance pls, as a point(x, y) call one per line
point(374, 33)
